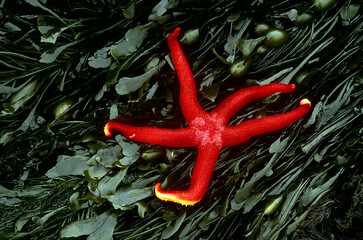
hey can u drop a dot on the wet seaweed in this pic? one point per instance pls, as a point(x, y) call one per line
point(68, 67)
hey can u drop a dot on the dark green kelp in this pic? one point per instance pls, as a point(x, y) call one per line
point(68, 67)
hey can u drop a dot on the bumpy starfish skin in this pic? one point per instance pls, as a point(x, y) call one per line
point(208, 131)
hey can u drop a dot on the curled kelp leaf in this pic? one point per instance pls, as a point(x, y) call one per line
point(329, 110)
point(158, 12)
point(127, 196)
point(316, 188)
point(173, 226)
point(19, 98)
point(100, 58)
point(241, 194)
point(127, 85)
point(108, 184)
point(68, 165)
point(130, 43)
point(52, 54)
point(97, 227)
point(248, 45)
point(230, 46)
point(336, 125)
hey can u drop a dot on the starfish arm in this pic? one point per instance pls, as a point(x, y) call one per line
point(182, 137)
point(236, 101)
point(240, 133)
point(202, 173)
point(188, 93)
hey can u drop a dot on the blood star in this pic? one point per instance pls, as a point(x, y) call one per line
point(208, 131)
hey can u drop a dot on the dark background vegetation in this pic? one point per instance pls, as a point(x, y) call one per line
point(62, 64)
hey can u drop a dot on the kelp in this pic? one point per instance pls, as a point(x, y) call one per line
point(67, 67)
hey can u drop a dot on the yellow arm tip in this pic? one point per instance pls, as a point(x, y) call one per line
point(305, 101)
point(107, 130)
point(165, 196)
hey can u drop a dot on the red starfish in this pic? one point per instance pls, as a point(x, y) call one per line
point(208, 131)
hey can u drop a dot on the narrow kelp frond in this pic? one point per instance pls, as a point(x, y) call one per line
point(68, 67)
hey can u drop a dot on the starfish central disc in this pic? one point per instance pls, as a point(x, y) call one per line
point(208, 131)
